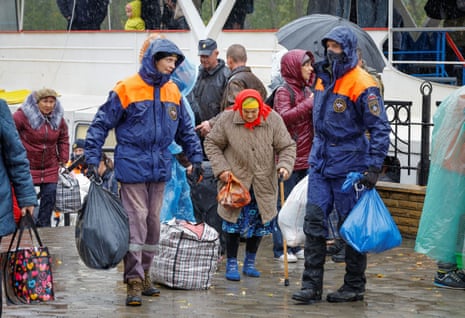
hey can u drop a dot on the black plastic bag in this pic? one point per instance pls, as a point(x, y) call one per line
point(102, 229)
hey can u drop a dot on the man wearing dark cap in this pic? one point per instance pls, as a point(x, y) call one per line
point(205, 101)
point(147, 113)
point(213, 77)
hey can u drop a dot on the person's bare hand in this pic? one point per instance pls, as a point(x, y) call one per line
point(204, 128)
point(284, 173)
point(224, 176)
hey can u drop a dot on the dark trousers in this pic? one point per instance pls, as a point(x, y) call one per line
point(323, 195)
point(48, 193)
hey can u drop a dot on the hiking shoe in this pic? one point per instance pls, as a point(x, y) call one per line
point(343, 295)
point(147, 288)
point(307, 295)
point(134, 291)
point(300, 254)
point(454, 279)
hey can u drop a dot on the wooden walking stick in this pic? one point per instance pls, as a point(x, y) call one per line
point(286, 270)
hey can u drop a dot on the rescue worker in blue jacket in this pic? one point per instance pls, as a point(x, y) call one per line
point(147, 113)
point(347, 104)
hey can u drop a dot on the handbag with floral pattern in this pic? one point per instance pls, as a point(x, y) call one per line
point(27, 271)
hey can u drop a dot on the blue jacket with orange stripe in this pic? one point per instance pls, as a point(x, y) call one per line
point(347, 104)
point(147, 114)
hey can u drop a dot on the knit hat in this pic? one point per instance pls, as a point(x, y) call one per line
point(45, 92)
point(79, 143)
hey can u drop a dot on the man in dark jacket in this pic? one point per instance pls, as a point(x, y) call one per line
point(241, 77)
point(208, 91)
point(85, 15)
point(151, 14)
point(147, 113)
point(347, 104)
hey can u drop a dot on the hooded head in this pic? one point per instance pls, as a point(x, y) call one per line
point(152, 37)
point(135, 8)
point(345, 37)
point(291, 64)
point(157, 50)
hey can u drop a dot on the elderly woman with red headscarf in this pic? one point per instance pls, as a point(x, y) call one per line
point(251, 141)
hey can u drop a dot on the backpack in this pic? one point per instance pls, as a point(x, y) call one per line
point(270, 99)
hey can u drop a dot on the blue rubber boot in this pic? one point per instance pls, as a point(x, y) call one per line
point(232, 270)
point(249, 265)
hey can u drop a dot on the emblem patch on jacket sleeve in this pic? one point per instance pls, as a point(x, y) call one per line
point(173, 112)
point(339, 105)
point(373, 104)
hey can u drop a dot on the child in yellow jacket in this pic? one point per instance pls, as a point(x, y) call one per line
point(133, 12)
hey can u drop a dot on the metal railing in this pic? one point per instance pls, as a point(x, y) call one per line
point(400, 119)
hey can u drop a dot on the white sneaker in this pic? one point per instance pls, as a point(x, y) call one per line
point(291, 258)
point(300, 254)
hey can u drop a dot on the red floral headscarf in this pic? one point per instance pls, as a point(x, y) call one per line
point(263, 109)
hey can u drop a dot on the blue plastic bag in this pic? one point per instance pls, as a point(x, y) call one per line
point(369, 227)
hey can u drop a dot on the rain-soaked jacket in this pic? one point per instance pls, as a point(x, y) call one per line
point(296, 110)
point(347, 104)
point(147, 113)
point(14, 171)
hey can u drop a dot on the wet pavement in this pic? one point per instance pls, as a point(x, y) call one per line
point(399, 284)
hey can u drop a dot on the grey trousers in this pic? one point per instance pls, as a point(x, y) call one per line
point(142, 202)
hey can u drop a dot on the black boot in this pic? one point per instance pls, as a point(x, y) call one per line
point(354, 279)
point(312, 277)
point(344, 294)
point(307, 295)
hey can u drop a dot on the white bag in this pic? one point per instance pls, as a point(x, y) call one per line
point(292, 214)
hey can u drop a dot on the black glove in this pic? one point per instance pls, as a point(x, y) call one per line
point(370, 177)
point(197, 172)
point(92, 173)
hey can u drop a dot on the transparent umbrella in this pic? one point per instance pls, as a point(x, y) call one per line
point(306, 33)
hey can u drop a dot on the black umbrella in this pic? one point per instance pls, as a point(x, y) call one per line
point(306, 33)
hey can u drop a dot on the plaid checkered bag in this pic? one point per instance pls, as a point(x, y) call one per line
point(68, 197)
point(186, 256)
